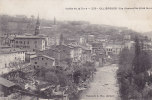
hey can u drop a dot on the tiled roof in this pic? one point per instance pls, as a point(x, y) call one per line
point(6, 82)
point(10, 50)
point(31, 53)
point(44, 56)
point(28, 37)
point(48, 57)
point(33, 56)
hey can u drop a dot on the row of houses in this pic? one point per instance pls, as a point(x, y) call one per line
point(17, 50)
point(10, 58)
point(80, 50)
point(60, 55)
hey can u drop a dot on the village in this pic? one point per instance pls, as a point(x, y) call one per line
point(57, 67)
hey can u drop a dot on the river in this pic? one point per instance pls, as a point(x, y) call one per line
point(104, 85)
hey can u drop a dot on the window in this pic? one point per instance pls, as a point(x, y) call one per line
point(42, 58)
point(35, 42)
point(35, 62)
point(46, 64)
point(24, 42)
point(16, 41)
point(27, 42)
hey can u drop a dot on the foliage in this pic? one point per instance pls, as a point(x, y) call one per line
point(83, 72)
point(63, 80)
point(126, 57)
point(141, 63)
point(76, 76)
point(132, 72)
point(51, 77)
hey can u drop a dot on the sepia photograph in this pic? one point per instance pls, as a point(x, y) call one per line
point(75, 50)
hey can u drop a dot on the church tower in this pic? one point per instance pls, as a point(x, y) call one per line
point(37, 27)
point(54, 21)
point(61, 41)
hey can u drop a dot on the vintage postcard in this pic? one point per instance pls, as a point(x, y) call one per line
point(75, 50)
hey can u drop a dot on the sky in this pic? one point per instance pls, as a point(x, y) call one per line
point(139, 20)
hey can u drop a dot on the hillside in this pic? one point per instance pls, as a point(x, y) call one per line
point(149, 34)
point(20, 25)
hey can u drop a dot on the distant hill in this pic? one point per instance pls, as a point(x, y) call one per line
point(20, 25)
point(149, 34)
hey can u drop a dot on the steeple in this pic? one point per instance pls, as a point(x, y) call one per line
point(54, 20)
point(61, 41)
point(37, 27)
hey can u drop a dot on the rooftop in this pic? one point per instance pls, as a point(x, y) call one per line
point(44, 56)
point(4, 46)
point(114, 46)
point(6, 82)
point(28, 37)
point(33, 56)
point(31, 53)
point(10, 50)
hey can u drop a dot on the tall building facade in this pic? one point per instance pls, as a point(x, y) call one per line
point(28, 43)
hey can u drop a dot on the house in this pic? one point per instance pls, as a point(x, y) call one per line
point(90, 38)
point(10, 58)
point(147, 45)
point(113, 49)
point(82, 40)
point(4, 39)
point(47, 39)
point(29, 55)
point(59, 55)
point(127, 37)
point(7, 87)
point(86, 56)
point(41, 61)
point(97, 48)
point(69, 51)
point(28, 43)
point(62, 53)
point(129, 44)
point(76, 53)
point(54, 40)
point(54, 53)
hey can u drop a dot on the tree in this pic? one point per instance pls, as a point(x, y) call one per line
point(63, 81)
point(125, 57)
point(76, 76)
point(141, 61)
point(137, 47)
point(132, 72)
point(69, 61)
point(51, 77)
point(4, 24)
point(61, 39)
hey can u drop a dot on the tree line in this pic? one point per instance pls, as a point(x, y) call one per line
point(134, 65)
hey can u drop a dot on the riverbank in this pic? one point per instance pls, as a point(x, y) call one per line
point(104, 85)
